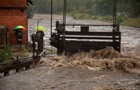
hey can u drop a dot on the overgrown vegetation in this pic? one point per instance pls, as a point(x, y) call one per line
point(30, 11)
point(5, 54)
point(92, 9)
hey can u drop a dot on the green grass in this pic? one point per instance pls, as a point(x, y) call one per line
point(80, 16)
point(133, 22)
point(85, 16)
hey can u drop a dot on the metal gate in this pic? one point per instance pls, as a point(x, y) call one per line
point(84, 40)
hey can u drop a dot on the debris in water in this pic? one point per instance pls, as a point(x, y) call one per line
point(105, 59)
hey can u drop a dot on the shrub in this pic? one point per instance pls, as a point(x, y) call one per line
point(120, 19)
point(107, 18)
point(5, 53)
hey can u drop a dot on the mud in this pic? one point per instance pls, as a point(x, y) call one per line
point(95, 70)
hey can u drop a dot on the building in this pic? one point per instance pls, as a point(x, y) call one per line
point(13, 13)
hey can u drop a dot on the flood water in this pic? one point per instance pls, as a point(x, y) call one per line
point(69, 77)
point(130, 36)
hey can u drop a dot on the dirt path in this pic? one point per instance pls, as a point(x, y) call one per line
point(45, 77)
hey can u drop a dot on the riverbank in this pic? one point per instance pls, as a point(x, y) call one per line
point(131, 22)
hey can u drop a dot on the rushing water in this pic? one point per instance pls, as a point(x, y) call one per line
point(44, 77)
point(130, 35)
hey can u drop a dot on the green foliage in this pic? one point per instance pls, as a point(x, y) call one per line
point(5, 54)
point(30, 11)
point(120, 19)
point(42, 6)
point(91, 9)
point(129, 8)
point(104, 7)
point(108, 18)
point(81, 16)
point(135, 4)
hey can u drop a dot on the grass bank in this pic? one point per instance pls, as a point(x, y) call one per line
point(132, 22)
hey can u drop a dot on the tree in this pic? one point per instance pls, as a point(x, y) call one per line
point(30, 11)
point(91, 7)
point(104, 7)
point(135, 4)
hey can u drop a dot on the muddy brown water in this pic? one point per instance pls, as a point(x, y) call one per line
point(76, 77)
point(69, 78)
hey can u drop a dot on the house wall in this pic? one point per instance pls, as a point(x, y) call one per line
point(13, 13)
